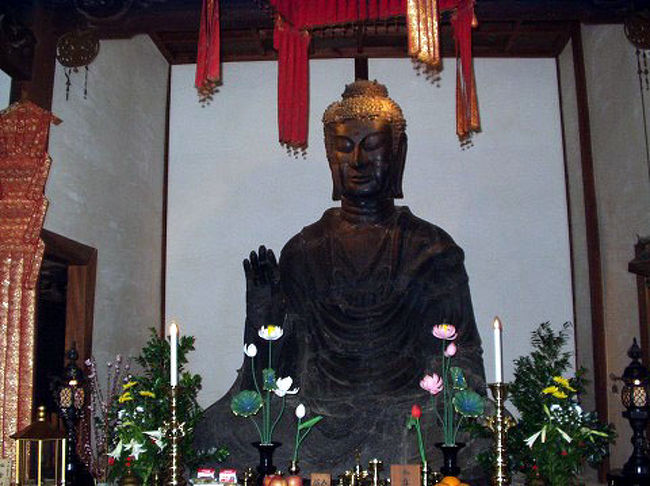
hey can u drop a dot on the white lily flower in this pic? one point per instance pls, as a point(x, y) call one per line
point(301, 411)
point(530, 442)
point(136, 448)
point(564, 435)
point(555, 407)
point(121, 414)
point(270, 333)
point(250, 350)
point(156, 436)
point(283, 386)
point(117, 452)
point(139, 409)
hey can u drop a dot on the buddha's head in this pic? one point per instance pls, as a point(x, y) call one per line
point(365, 141)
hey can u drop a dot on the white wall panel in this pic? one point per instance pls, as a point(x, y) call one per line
point(5, 89)
point(106, 184)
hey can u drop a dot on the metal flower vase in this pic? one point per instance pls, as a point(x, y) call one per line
point(450, 458)
point(294, 478)
point(266, 466)
point(129, 479)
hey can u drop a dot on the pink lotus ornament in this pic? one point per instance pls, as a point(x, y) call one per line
point(432, 383)
point(445, 331)
point(451, 350)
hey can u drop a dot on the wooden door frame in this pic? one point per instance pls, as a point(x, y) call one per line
point(80, 298)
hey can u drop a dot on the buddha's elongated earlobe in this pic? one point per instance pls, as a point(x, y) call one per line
point(397, 169)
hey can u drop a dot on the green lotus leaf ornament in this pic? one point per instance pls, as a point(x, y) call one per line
point(457, 378)
point(268, 379)
point(468, 403)
point(246, 403)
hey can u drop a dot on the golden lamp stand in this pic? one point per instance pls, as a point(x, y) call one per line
point(499, 424)
point(175, 434)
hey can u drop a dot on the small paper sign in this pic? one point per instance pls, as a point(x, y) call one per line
point(405, 475)
point(321, 479)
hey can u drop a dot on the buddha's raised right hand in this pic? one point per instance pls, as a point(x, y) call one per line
point(264, 303)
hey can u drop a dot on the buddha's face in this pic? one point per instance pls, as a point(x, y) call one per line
point(361, 157)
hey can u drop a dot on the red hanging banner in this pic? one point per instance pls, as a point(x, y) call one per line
point(294, 18)
point(208, 57)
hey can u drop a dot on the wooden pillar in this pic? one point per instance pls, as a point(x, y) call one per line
point(593, 235)
point(360, 68)
point(39, 88)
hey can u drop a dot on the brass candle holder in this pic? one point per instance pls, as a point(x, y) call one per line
point(175, 433)
point(499, 424)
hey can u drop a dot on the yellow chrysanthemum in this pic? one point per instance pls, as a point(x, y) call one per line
point(555, 391)
point(148, 394)
point(125, 397)
point(564, 382)
point(128, 385)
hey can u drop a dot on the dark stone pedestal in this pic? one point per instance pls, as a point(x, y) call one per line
point(616, 478)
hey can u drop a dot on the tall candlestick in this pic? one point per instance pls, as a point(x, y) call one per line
point(173, 344)
point(498, 351)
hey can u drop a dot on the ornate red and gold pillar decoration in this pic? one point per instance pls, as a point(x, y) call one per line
point(295, 18)
point(24, 167)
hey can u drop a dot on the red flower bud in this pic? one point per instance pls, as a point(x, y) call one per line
point(111, 461)
point(535, 468)
point(564, 453)
point(416, 411)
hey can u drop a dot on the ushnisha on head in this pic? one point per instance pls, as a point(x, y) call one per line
point(365, 141)
point(365, 100)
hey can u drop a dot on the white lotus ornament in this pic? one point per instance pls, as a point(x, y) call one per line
point(270, 333)
point(283, 387)
point(301, 411)
point(250, 350)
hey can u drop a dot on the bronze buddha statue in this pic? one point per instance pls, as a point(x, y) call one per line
point(359, 292)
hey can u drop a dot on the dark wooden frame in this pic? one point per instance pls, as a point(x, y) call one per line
point(640, 266)
point(593, 235)
point(82, 271)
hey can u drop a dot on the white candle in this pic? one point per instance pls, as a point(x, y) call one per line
point(173, 344)
point(498, 351)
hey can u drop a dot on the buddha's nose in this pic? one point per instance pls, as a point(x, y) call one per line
point(358, 158)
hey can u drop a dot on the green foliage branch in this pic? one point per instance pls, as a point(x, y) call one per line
point(553, 437)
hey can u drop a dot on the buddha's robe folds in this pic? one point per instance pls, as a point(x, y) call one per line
point(361, 302)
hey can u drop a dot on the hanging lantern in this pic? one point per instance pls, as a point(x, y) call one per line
point(76, 50)
point(40, 454)
point(634, 397)
point(70, 397)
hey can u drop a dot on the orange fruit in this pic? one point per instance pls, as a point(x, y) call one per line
point(451, 481)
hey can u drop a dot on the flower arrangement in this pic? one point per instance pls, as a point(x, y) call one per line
point(248, 403)
point(554, 436)
point(100, 422)
point(303, 428)
point(137, 442)
point(154, 362)
point(458, 400)
point(131, 411)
